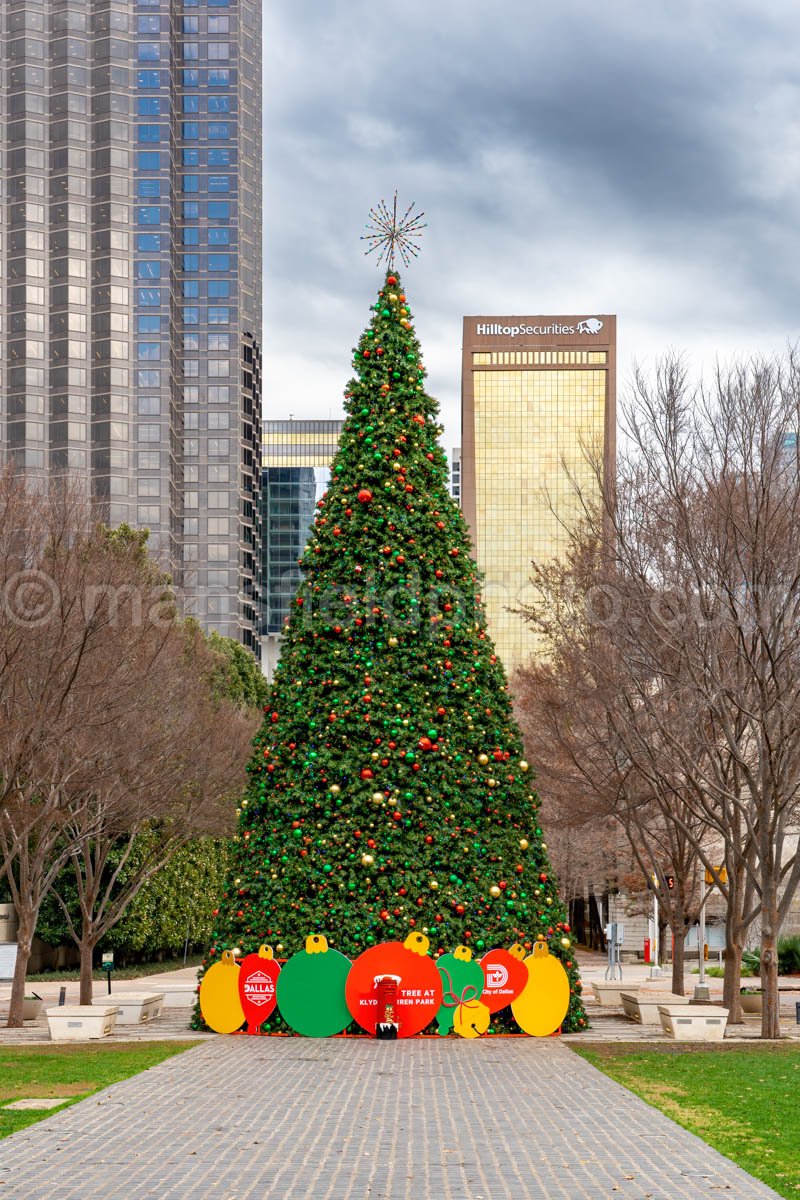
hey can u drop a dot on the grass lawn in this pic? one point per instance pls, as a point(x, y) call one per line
point(75, 1071)
point(741, 1099)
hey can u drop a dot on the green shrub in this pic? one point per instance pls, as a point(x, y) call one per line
point(788, 957)
point(179, 899)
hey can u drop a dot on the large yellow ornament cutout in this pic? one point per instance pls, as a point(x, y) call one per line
point(219, 996)
point(542, 1005)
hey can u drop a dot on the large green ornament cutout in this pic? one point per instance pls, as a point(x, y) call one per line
point(311, 995)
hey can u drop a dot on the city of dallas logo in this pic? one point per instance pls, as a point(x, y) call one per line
point(589, 325)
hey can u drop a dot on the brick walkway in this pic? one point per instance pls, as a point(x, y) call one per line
point(287, 1119)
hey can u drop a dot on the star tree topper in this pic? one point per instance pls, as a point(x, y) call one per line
point(390, 234)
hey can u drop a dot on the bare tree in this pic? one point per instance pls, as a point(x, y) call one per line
point(697, 561)
point(172, 769)
point(61, 679)
point(572, 721)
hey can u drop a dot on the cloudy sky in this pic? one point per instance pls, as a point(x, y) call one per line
point(640, 158)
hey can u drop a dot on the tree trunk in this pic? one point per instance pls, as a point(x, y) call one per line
point(24, 944)
point(731, 986)
point(770, 1011)
point(87, 953)
point(678, 961)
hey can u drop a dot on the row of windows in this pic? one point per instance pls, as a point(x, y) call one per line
point(154, 24)
point(536, 357)
point(154, 106)
point(148, 268)
point(215, 131)
point(150, 80)
point(155, 51)
point(151, 214)
point(156, 188)
point(148, 243)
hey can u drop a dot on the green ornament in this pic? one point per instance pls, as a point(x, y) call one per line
point(310, 989)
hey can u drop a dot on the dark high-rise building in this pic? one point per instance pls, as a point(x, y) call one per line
point(296, 459)
point(131, 246)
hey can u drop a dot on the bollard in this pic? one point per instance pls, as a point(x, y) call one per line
point(797, 1011)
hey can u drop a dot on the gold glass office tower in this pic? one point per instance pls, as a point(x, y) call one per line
point(537, 394)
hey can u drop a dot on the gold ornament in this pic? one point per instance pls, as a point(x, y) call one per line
point(471, 1019)
point(566, 943)
point(367, 860)
point(523, 843)
point(433, 884)
point(393, 642)
point(377, 797)
point(334, 789)
point(494, 890)
point(523, 766)
point(483, 759)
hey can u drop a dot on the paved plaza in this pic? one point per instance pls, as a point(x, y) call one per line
point(346, 1119)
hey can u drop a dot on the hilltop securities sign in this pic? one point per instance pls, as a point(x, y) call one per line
point(591, 325)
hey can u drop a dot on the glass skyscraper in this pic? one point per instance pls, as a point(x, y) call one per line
point(296, 469)
point(538, 403)
point(131, 247)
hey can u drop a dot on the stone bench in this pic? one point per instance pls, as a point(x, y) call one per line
point(81, 1022)
point(135, 1008)
point(642, 1006)
point(609, 991)
point(697, 1023)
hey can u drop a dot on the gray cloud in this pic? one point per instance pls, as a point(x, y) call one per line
point(626, 158)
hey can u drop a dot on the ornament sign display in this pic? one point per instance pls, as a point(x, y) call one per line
point(258, 977)
point(541, 1008)
point(419, 985)
point(311, 990)
point(504, 977)
point(462, 983)
point(219, 995)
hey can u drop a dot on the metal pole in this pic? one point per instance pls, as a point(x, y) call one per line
point(702, 931)
point(655, 970)
point(701, 991)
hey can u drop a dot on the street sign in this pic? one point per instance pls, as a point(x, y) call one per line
point(108, 961)
point(721, 874)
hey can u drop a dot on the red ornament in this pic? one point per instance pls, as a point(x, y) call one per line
point(419, 985)
point(505, 978)
point(365, 495)
point(258, 976)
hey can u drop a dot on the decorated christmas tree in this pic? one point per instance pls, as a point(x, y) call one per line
point(389, 793)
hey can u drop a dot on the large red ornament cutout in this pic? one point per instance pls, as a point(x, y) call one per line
point(258, 977)
point(419, 985)
point(505, 976)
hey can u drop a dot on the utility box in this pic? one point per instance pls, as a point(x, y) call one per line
point(8, 923)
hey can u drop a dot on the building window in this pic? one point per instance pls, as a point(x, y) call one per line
point(149, 433)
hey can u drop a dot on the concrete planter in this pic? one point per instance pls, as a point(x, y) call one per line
point(134, 1008)
point(609, 991)
point(698, 1023)
point(31, 1008)
point(642, 1007)
point(81, 1022)
point(752, 1004)
point(179, 995)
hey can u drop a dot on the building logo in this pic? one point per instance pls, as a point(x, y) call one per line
point(591, 325)
point(496, 976)
point(259, 988)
